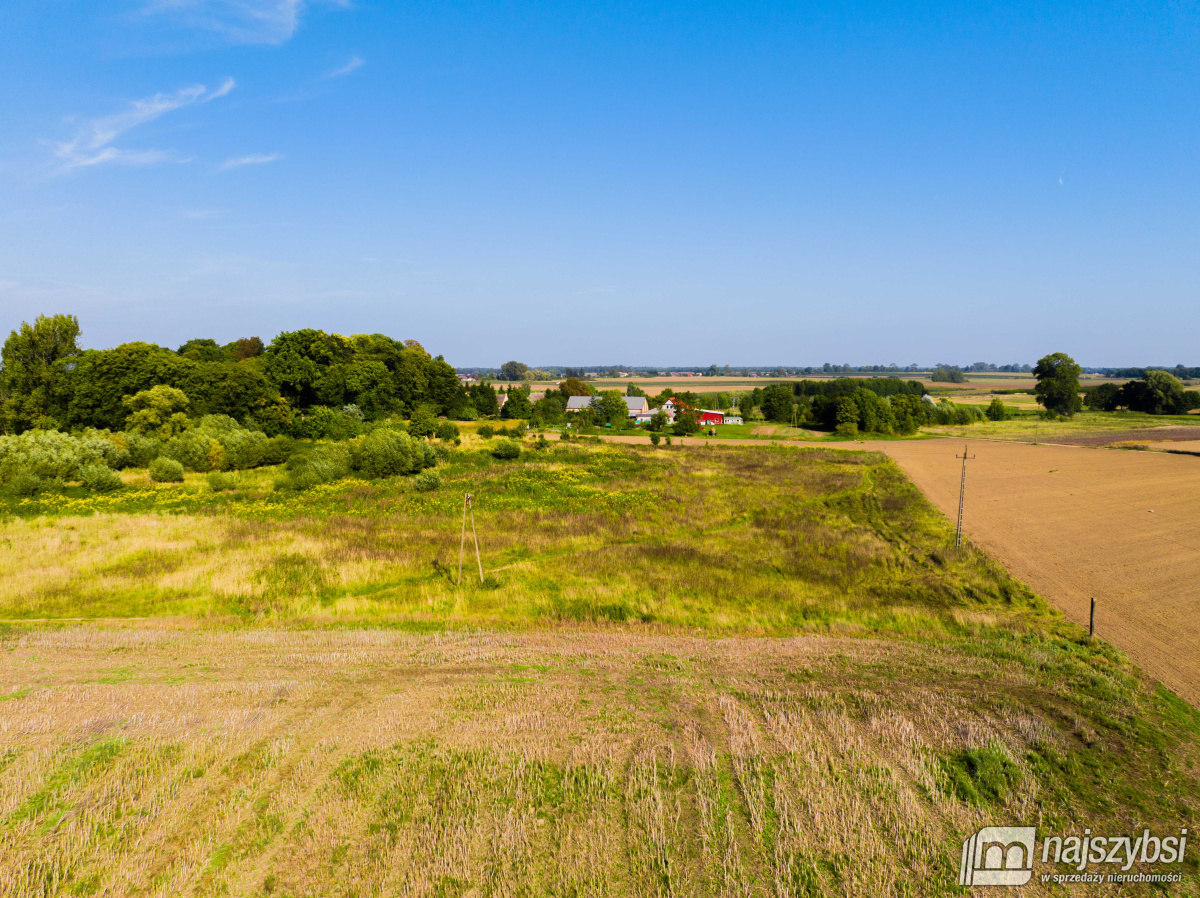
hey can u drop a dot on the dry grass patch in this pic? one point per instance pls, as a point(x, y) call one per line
point(170, 762)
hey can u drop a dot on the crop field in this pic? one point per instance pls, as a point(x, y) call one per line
point(709, 670)
point(173, 761)
point(1077, 523)
point(1084, 429)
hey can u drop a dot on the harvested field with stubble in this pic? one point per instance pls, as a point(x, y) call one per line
point(572, 762)
point(1078, 523)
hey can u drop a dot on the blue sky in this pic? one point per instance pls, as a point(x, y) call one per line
point(584, 183)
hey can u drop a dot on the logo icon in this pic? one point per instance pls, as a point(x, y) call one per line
point(998, 856)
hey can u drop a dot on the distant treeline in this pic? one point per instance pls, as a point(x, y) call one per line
point(874, 404)
point(516, 371)
point(1180, 371)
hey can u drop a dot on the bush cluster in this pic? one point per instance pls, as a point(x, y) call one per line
point(52, 456)
point(218, 443)
point(382, 452)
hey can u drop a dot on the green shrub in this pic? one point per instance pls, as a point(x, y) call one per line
point(423, 422)
point(277, 450)
point(501, 431)
point(507, 450)
point(427, 480)
point(217, 443)
point(219, 481)
point(166, 470)
point(447, 430)
point(541, 443)
point(100, 478)
point(486, 431)
point(114, 446)
point(324, 464)
point(196, 450)
point(997, 411)
point(321, 423)
point(518, 430)
point(385, 453)
point(51, 455)
point(429, 457)
point(848, 429)
point(142, 449)
point(442, 453)
point(25, 483)
point(654, 438)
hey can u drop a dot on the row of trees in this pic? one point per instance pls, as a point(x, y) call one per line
point(1155, 392)
point(303, 382)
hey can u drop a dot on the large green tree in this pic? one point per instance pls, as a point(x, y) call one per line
point(610, 408)
point(160, 411)
point(513, 371)
point(777, 403)
point(517, 406)
point(36, 360)
point(1058, 384)
point(573, 386)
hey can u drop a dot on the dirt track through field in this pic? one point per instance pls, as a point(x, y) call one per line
point(1075, 523)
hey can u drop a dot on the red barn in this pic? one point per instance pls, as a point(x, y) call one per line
point(706, 417)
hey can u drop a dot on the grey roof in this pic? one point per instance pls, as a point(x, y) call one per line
point(635, 404)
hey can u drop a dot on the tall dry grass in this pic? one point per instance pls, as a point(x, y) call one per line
point(371, 762)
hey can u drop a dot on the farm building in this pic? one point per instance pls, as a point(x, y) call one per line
point(705, 417)
point(637, 405)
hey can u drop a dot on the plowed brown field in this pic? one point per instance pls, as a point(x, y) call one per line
point(1075, 523)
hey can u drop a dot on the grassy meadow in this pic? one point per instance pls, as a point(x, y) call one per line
point(710, 670)
point(741, 539)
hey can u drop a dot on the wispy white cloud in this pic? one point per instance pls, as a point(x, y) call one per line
point(228, 85)
point(253, 159)
point(93, 145)
point(238, 21)
point(349, 67)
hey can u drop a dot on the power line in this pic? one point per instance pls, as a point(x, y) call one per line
point(962, 491)
point(462, 545)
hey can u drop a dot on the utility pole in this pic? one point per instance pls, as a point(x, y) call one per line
point(462, 545)
point(962, 492)
point(1092, 620)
